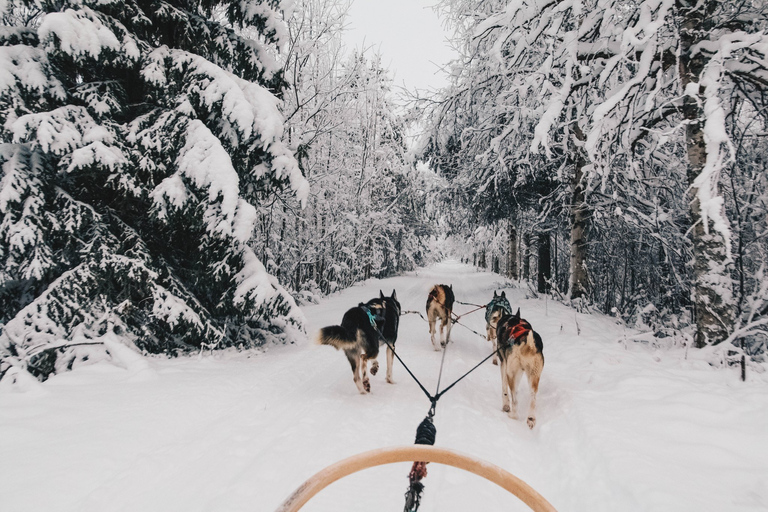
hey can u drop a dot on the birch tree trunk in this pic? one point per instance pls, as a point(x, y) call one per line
point(712, 288)
point(579, 279)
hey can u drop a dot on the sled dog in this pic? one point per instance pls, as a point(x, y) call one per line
point(389, 329)
point(521, 351)
point(359, 336)
point(440, 305)
point(498, 307)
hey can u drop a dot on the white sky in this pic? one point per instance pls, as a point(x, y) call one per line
point(408, 34)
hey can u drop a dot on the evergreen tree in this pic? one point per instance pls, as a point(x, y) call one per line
point(137, 137)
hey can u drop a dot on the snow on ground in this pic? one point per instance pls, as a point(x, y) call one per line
point(621, 426)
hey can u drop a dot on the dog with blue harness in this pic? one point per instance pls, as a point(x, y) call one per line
point(358, 336)
point(497, 308)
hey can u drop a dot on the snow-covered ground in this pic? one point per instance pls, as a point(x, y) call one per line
point(621, 426)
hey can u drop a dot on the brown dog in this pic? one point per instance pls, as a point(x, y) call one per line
point(440, 305)
point(521, 351)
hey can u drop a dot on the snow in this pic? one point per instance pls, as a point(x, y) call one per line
point(620, 425)
point(78, 33)
point(24, 67)
point(250, 109)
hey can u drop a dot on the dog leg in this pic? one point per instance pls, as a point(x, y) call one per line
point(495, 348)
point(504, 389)
point(375, 367)
point(432, 320)
point(355, 364)
point(533, 380)
point(390, 363)
point(512, 380)
point(364, 373)
point(443, 336)
point(449, 323)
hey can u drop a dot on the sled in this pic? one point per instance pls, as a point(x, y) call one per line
point(346, 467)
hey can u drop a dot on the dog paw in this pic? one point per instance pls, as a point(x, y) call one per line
point(367, 385)
point(389, 380)
point(495, 361)
point(374, 368)
point(531, 421)
point(505, 408)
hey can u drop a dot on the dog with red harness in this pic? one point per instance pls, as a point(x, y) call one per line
point(520, 350)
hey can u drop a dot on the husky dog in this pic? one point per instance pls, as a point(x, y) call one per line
point(440, 304)
point(498, 307)
point(521, 350)
point(389, 329)
point(358, 336)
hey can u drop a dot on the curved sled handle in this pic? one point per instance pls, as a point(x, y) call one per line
point(366, 460)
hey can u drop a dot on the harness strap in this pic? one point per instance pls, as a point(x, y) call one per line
point(519, 330)
point(370, 315)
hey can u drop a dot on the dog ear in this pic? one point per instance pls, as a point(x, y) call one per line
point(503, 295)
point(494, 294)
point(394, 294)
point(450, 286)
point(517, 315)
point(381, 294)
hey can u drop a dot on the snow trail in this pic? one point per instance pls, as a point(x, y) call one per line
point(620, 426)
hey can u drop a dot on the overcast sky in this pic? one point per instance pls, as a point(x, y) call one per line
point(409, 35)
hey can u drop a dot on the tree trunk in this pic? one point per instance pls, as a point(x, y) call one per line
point(712, 289)
point(579, 280)
point(512, 251)
point(527, 256)
point(545, 263)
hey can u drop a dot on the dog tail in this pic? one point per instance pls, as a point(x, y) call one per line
point(336, 336)
point(530, 340)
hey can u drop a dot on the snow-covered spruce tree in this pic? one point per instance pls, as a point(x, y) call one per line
point(136, 137)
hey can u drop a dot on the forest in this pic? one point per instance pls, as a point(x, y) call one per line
point(188, 174)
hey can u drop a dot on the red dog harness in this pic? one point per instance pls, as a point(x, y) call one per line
point(517, 331)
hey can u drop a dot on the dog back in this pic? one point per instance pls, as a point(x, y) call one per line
point(345, 337)
point(512, 331)
point(442, 295)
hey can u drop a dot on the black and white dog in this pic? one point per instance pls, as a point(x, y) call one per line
point(360, 333)
point(389, 329)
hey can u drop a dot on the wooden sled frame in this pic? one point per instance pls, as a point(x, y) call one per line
point(366, 460)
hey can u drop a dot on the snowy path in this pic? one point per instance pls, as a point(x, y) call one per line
point(621, 427)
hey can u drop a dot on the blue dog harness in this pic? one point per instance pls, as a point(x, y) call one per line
point(370, 315)
point(499, 301)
